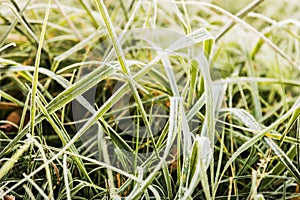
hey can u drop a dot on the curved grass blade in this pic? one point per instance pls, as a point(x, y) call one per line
point(47, 169)
point(174, 126)
point(248, 26)
point(242, 13)
point(257, 137)
point(284, 159)
point(15, 12)
point(199, 161)
point(65, 97)
point(8, 165)
point(290, 123)
point(36, 70)
point(124, 67)
point(63, 136)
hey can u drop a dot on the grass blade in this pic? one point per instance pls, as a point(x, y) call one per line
point(36, 70)
point(285, 160)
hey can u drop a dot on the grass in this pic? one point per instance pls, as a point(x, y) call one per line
point(149, 99)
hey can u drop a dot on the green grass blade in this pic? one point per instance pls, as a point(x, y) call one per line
point(285, 160)
point(63, 135)
point(174, 125)
point(257, 137)
point(199, 162)
point(65, 97)
point(8, 165)
point(36, 70)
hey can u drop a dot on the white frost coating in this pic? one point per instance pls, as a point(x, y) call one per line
point(205, 149)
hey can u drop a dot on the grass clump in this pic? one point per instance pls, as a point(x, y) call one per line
point(149, 100)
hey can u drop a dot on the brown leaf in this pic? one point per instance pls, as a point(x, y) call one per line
point(8, 105)
point(9, 197)
point(14, 118)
